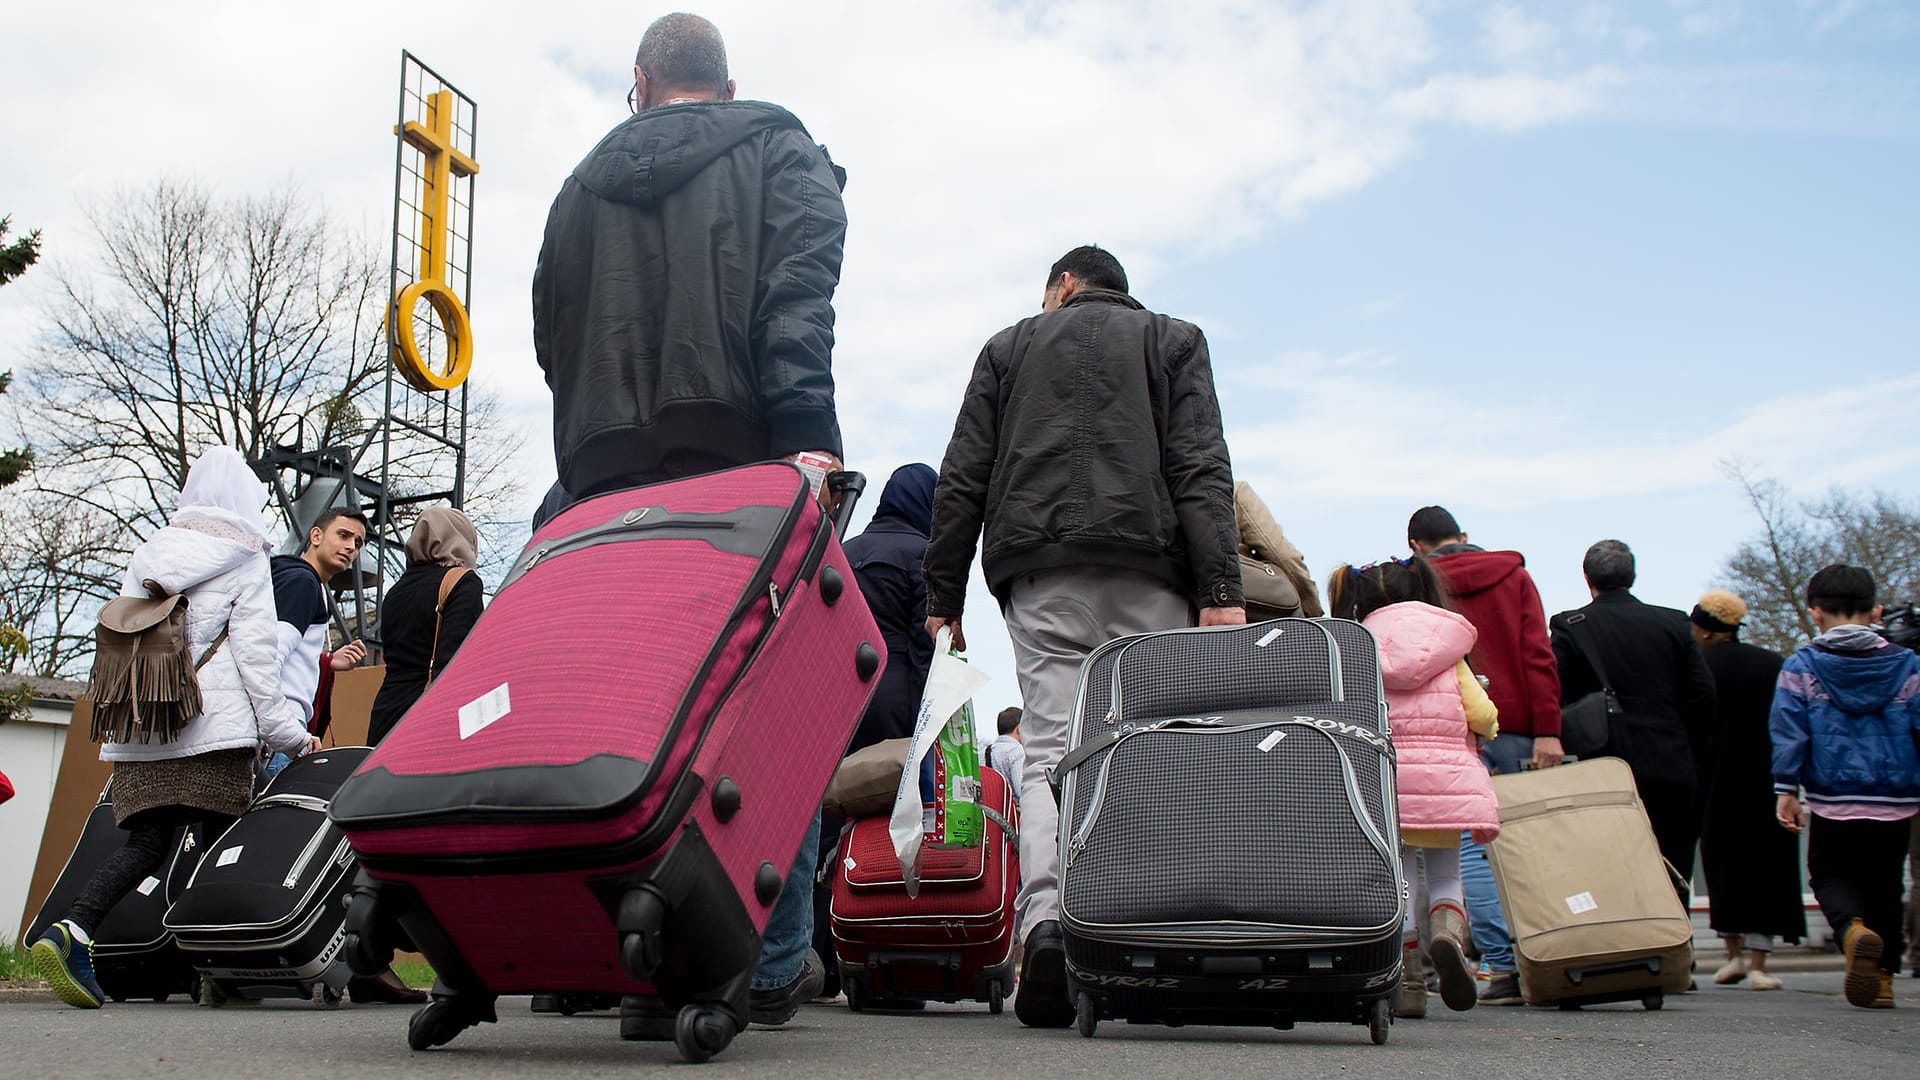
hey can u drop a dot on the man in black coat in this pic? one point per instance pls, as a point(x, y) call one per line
point(683, 302)
point(1666, 694)
point(683, 314)
point(1089, 450)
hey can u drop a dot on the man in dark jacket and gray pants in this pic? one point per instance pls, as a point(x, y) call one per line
point(1089, 447)
point(683, 313)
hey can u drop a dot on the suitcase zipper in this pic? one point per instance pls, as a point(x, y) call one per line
point(591, 537)
point(306, 856)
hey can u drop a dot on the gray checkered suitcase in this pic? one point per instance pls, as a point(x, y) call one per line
point(1228, 830)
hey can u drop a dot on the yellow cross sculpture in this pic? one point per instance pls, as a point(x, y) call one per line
point(443, 162)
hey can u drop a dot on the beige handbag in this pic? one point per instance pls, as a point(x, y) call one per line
point(867, 780)
point(1273, 574)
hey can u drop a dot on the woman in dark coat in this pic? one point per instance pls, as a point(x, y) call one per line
point(443, 543)
point(886, 562)
point(1752, 864)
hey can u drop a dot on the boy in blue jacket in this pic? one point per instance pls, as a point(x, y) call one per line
point(1846, 714)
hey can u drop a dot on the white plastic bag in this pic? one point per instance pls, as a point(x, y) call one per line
point(951, 683)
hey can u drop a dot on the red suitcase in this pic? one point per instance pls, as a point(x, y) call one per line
point(606, 787)
point(953, 942)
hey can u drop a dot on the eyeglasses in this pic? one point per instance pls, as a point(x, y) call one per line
point(633, 94)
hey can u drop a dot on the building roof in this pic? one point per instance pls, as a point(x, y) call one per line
point(46, 689)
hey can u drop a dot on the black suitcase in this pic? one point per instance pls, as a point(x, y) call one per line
point(133, 953)
point(264, 914)
point(1229, 836)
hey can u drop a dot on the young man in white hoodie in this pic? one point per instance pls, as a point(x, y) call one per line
point(214, 552)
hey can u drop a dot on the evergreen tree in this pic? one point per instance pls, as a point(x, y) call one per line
point(14, 260)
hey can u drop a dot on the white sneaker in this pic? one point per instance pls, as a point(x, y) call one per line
point(1731, 972)
point(1760, 980)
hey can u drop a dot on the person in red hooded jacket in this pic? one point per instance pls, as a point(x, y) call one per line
point(1515, 653)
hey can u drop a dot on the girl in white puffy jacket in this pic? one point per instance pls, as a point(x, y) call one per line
point(214, 552)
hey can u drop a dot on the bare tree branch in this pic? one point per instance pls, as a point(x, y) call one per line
point(252, 323)
point(1770, 570)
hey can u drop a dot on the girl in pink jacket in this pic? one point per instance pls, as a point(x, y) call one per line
point(1436, 710)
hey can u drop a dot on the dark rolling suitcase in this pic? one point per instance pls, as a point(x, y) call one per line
point(1228, 829)
point(263, 915)
point(134, 955)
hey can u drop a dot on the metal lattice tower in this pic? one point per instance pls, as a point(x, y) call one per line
point(415, 452)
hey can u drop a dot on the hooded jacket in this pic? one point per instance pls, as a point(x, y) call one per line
point(228, 587)
point(1515, 652)
point(886, 562)
point(1441, 781)
point(300, 600)
point(1846, 716)
point(1089, 436)
point(683, 298)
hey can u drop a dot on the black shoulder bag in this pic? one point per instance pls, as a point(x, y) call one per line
point(1586, 725)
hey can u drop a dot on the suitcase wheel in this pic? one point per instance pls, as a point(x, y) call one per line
point(211, 992)
point(996, 999)
point(1654, 1002)
point(325, 997)
point(1379, 1021)
point(701, 1031)
point(1087, 1016)
point(856, 997)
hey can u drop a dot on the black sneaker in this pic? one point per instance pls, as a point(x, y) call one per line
point(1042, 1001)
point(777, 1005)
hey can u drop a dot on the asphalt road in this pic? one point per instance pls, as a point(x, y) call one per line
point(1804, 1032)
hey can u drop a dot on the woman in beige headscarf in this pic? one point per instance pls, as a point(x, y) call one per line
point(427, 613)
point(1272, 571)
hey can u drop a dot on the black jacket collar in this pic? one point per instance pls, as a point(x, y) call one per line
point(1102, 296)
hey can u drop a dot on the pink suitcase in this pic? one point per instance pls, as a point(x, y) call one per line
point(605, 789)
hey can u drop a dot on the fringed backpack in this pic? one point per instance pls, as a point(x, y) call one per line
point(145, 684)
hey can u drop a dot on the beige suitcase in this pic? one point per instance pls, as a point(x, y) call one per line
point(1589, 901)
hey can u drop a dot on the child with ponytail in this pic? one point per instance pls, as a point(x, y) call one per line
point(1435, 710)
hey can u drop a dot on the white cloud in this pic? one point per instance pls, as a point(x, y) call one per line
point(1509, 102)
point(1708, 18)
point(1513, 37)
point(981, 140)
point(1366, 415)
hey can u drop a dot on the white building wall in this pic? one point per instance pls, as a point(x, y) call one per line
point(30, 752)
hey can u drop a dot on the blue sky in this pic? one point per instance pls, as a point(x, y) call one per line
point(1544, 263)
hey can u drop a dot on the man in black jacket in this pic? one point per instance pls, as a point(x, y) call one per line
point(1089, 447)
point(301, 600)
point(1665, 689)
point(683, 314)
point(683, 302)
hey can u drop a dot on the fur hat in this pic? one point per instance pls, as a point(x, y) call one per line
point(1719, 611)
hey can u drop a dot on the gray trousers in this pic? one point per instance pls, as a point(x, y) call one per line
point(1055, 618)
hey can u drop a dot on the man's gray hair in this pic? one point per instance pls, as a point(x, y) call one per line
point(683, 52)
point(1609, 565)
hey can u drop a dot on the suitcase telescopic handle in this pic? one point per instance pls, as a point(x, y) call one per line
point(848, 486)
